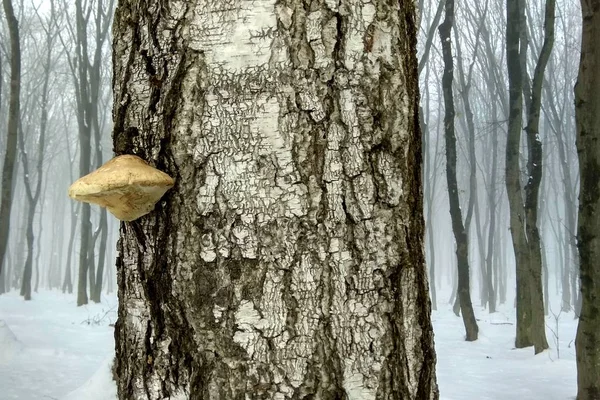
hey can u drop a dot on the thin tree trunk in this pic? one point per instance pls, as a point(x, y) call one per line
point(491, 248)
point(465, 86)
point(68, 281)
point(97, 291)
point(4, 287)
point(460, 234)
point(27, 270)
point(40, 231)
point(546, 279)
point(287, 262)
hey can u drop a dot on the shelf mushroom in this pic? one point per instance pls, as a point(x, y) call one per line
point(126, 185)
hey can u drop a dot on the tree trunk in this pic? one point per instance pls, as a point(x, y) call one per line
point(287, 261)
point(587, 104)
point(465, 79)
point(28, 269)
point(97, 288)
point(523, 203)
point(13, 127)
point(460, 234)
point(68, 281)
point(532, 188)
point(513, 181)
point(491, 192)
point(4, 281)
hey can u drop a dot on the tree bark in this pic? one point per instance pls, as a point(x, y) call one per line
point(523, 202)
point(587, 115)
point(492, 202)
point(13, 127)
point(460, 233)
point(532, 188)
point(513, 181)
point(287, 262)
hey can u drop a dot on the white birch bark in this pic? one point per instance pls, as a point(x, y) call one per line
point(287, 262)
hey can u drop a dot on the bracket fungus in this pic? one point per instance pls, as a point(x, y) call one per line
point(126, 185)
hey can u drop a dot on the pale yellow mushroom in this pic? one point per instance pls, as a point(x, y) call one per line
point(126, 185)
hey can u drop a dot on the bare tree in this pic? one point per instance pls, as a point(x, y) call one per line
point(33, 190)
point(524, 201)
point(465, 82)
point(460, 234)
point(13, 126)
point(86, 63)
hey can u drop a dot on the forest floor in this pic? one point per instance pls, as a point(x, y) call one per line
point(51, 349)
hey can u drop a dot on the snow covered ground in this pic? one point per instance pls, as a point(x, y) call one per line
point(58, 346)
point(50, 349)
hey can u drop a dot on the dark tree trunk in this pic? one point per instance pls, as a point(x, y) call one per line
point(464, 78)
point(513, 181)
point(587, 106)
point(12, 130)
point(523, 202)
point(460, 234)
point(287, 262)
point(532, 188)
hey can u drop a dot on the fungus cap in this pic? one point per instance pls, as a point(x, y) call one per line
point(126, 185)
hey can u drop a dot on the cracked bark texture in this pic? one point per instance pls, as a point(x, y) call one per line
point(287, 262)
point(587, 117)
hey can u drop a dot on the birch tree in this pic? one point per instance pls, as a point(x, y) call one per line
point(287, 261)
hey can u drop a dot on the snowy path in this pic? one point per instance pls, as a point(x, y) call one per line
point(62, 352)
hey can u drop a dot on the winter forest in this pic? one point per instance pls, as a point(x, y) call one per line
point(371, 199)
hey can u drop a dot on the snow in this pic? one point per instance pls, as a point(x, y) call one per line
point(100, 386)
point(492, 369)
point(51, 349)
point(55, 347)
point(10, 346)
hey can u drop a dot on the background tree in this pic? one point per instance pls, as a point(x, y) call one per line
point(33, 177)
point(92, 19)
point(13, 126)
point(458, 227)
point(288, 258)
point(523, 201)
